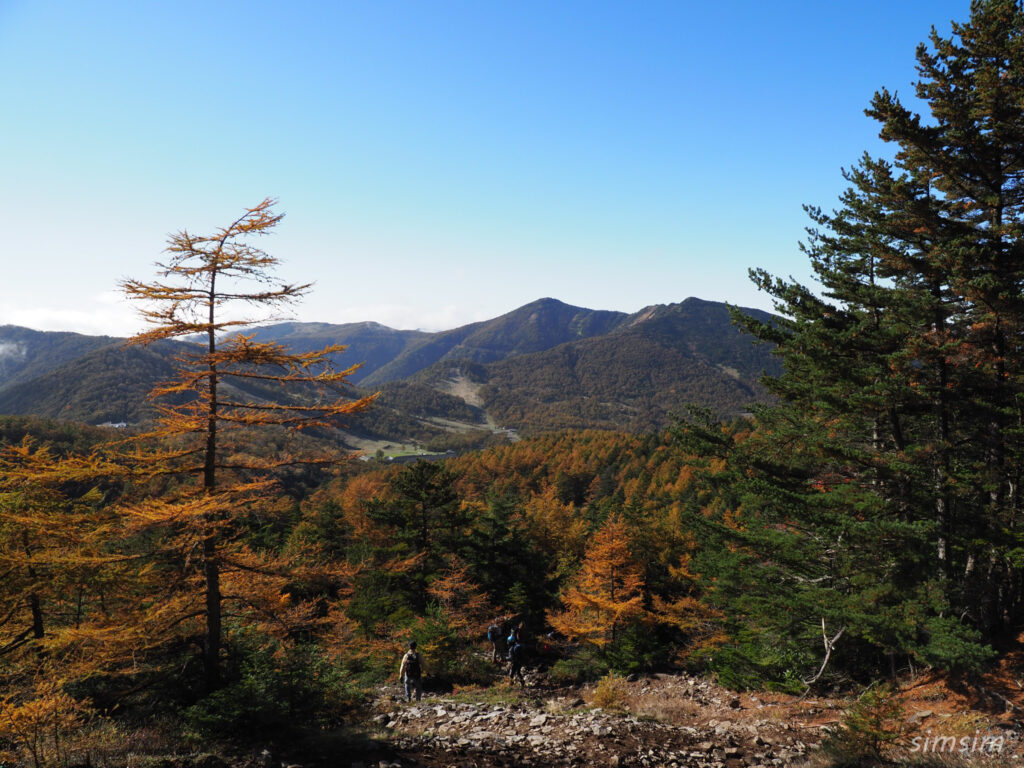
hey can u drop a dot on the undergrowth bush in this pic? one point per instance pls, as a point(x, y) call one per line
point(274, 689)
point(448, 655)
point(751, 661)
point(871, 725)
point(635, 649)
point(610, 692)
point(584, 666)
point(38, 730)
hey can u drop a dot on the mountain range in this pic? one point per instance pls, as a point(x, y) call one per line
point(544, 366)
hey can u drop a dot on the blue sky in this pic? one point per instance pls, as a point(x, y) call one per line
point(438, 162)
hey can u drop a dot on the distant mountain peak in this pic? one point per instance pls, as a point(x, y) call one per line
point(547, 301)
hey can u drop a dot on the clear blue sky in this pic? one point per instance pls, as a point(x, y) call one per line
point(438, 162)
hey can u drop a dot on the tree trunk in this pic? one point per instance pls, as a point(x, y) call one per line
point(211, 569)
point(34, 604)
point(212, 641)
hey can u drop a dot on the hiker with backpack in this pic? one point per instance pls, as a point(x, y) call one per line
point(494, 636)
point(515, 635)
point(411, 672)
point(515, 663)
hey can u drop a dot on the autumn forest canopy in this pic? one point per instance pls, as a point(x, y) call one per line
point(218, 570)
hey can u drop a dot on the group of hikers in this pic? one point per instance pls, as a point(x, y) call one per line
point(513, 650)
point(509, 649)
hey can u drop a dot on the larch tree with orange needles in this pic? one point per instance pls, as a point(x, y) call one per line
point(65, 594)
point(607, 593)
point(225, 386)
point(55, 567)
point(449, 633)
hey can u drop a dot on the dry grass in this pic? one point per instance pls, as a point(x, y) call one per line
point(609, 693)
point(103, 743)
point(666, 709)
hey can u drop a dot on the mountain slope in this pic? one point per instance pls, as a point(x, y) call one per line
point(544, 366)
point(705, 329)
point(108, 384)
point(537, 326)
point(26, 354)
point(371, 344)
point(635, 377)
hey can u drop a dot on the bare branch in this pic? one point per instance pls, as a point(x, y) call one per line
point(829, 645)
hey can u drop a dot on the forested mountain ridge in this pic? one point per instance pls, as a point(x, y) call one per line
point(371, 344)
point(705, 329)
point(535, 327)
point(26, 354)
point(107, 384)
point(649, 366)
point(629, 384)
point(546, 365)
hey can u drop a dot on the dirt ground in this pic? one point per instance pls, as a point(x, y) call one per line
point(680, 720)
point(676, 721)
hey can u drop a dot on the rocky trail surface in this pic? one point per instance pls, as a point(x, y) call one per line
point(665, 720)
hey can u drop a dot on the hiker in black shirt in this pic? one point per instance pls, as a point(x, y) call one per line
point(411, 673)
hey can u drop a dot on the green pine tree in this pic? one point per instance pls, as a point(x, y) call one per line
point(882, 495)
point(425, 515)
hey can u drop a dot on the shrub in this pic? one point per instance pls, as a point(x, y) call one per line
point(447, 654)
point(275, 690)
point(37, 731)
point(872, 724)
point(609, 692)
point(586, 665)
point(754, 661)
point(637, 648)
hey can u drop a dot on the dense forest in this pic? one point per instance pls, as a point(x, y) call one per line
point(226, 574)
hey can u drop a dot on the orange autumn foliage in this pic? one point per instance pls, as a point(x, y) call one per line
point(555, 525)
point(204, 288)
point(606, 594)
point(465, 605)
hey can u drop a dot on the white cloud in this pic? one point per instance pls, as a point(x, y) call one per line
point(107, 314)
point(12, 349)
point(111, 314)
